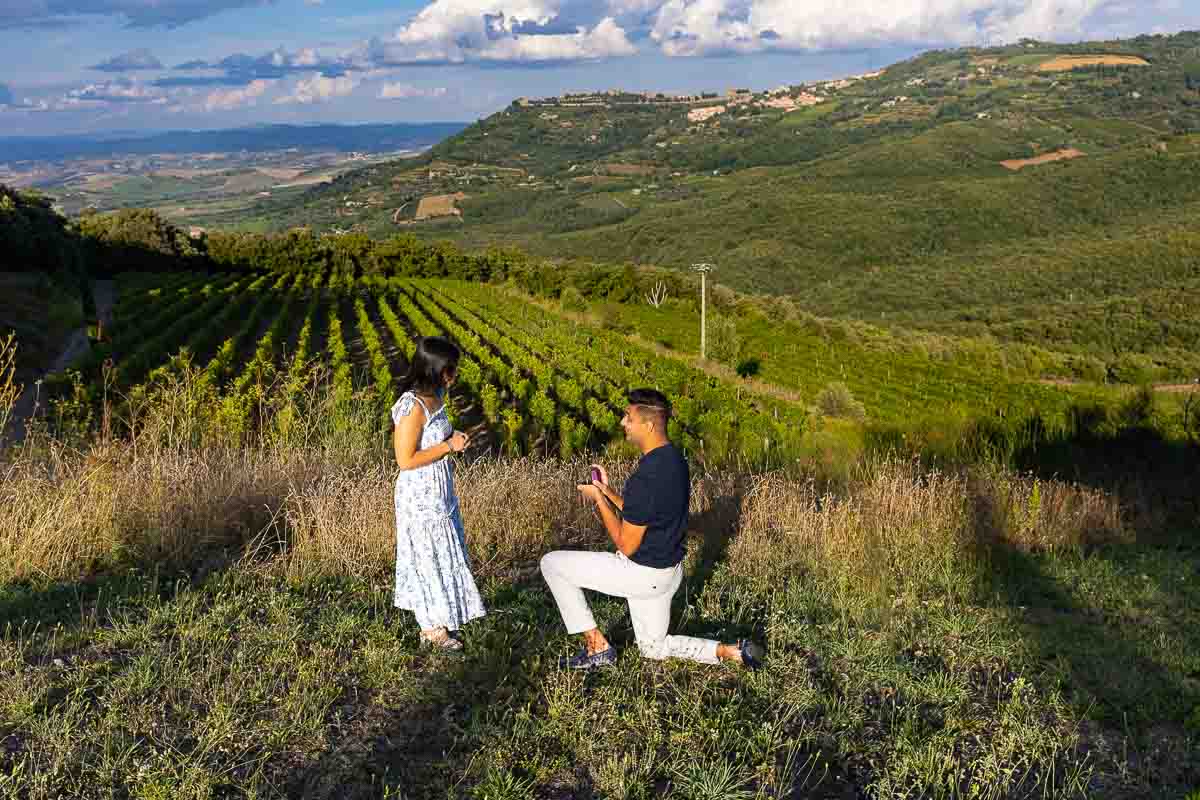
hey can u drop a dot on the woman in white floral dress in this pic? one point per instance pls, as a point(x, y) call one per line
point(433, 572)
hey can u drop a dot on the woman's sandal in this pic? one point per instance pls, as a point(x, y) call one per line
point(442, 640)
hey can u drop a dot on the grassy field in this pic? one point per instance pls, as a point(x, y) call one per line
point(188, 620)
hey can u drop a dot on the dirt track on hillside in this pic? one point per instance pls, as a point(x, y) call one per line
point(76, 345)
point(1166, 388)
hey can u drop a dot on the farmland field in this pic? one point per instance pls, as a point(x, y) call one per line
point(1048, 158)
point(441, 205)
point(1061, 63)
point(543, 382)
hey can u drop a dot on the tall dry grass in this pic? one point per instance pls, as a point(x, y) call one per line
point(173, 493)
point(67, 513)
point(901, 531)
point(344, 522)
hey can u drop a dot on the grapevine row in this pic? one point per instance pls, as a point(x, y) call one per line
point(570, 423)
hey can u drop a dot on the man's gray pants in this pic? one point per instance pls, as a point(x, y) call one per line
point(648, 590)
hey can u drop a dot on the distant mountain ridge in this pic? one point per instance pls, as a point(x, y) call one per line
point(375, 138)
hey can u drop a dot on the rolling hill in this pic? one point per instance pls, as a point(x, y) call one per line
point(1035, 192)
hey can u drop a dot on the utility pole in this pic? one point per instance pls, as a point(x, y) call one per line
point(703, 268)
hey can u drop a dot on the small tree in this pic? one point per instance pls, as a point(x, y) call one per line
point(1191, 414)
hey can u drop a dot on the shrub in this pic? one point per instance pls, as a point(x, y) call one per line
point(572, 299)
point(836, 400)
point(748, 367)
point(1138, 410)
point(724, 341)
point(611, 320)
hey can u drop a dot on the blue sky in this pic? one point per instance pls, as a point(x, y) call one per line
point(76, 66)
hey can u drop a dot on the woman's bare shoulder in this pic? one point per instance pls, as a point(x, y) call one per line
point(407, 407)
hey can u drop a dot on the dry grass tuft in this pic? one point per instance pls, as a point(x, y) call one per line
point(905, 532)
point(513, 512)
point(69, 513)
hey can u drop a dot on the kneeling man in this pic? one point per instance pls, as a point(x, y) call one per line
point(647, 567)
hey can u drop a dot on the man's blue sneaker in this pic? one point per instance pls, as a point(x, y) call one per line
point(581, 660)
point(752, 654)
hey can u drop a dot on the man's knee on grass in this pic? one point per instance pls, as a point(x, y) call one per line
point(550, 562)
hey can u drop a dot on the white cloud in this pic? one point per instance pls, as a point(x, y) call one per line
point(319, 88)
point(405, 91)
point(547, 31)
point(532, 31)
point(229, 99)
point(117, 91)
point(121, 93)
point(699, 27)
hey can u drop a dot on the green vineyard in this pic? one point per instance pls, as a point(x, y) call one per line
point(533, 380)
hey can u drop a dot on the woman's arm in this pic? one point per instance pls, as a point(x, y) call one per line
point(406, 437)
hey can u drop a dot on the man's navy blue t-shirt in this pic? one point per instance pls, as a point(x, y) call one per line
point(657, 495)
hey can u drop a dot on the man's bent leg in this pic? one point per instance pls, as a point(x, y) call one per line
point(651, 617)
point(563, 574)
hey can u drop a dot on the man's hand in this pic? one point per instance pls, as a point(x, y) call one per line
point(591, 491)
point(603, 473)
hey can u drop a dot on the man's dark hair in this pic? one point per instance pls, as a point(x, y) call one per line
point(652, 401)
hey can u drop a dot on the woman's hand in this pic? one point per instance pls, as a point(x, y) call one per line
point(458, 442)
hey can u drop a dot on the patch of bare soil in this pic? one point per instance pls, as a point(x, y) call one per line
point(1064, 63)
point(439, 205)
point(628, 169)
point(1059, 155)
point(1178, 388)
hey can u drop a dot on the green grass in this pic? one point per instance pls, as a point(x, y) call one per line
point(803, 116)
point(249, 685)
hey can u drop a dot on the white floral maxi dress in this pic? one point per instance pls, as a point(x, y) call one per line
point(433, 572)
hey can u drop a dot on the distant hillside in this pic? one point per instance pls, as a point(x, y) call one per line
point(369, 138)
point(955, 113)
point(1036, 192)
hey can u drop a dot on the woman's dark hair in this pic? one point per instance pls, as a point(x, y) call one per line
point(434, 357)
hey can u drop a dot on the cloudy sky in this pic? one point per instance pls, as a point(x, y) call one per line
point(75, 66)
